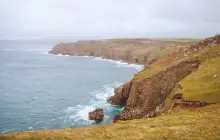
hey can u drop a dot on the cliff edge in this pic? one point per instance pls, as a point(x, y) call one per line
point(183, 72)
point(138, 51)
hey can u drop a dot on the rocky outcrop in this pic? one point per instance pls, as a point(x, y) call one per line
point(211, 41)
point(146, 95)
point(187, 104)
point(96, 115)
point(121, 95)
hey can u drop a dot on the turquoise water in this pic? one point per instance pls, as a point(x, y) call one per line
point(44, 91)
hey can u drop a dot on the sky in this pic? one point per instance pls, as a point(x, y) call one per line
point(96, 19)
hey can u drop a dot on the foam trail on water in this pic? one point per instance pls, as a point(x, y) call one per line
point(121, 63)
point(79, 113)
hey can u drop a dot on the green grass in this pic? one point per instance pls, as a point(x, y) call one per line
point(201, 123)
point(201, 85)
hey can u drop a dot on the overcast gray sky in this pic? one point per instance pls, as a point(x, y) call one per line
point(24, 19)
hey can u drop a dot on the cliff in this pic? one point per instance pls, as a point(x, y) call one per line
point(139, 51)
point(147, 94)
point(168, 64)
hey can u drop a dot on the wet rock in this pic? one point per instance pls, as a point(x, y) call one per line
point(178, 96)
point(97, 115)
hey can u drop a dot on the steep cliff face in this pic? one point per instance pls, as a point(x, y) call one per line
point(121, 94)
point(151, 88)
point(146, 95)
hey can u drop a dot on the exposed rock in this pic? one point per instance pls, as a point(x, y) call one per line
point(187, 104)
point(214, 76)
point(121, 94)
point(96, 115)
point(141, 98)
point(202, 44)
point(178, 96)
point(146, 95)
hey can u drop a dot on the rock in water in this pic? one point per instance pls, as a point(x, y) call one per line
point(96, 115)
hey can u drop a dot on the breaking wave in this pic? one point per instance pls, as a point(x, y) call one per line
point(119, 63)
point(78, 115)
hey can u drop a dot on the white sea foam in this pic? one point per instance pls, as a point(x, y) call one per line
point(85, 56)
point(79, 113)
point(4, 132)
point(120, 63)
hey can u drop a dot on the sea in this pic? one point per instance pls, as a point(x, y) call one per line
point(44, 91)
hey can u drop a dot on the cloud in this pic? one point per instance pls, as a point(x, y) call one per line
point(108, 18)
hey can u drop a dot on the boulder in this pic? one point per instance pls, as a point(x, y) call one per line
point(96, 115)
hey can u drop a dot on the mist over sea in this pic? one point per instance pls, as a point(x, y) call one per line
point(43, 91)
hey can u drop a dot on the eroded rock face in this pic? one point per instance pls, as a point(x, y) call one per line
point(146, 95)
point(97, 115)
point(121, 94)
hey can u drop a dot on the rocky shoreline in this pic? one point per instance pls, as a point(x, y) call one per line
point(145, 96)
point(132, 51)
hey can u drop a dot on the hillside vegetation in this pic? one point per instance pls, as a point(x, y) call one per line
point(192, 71)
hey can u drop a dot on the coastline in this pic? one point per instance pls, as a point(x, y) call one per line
point(131, 52)
point(119, 63)
point(158, 100)
point(138, 67)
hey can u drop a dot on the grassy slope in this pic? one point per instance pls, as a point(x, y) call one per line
point(203, 85)
point(200, 123)
point(200, 85)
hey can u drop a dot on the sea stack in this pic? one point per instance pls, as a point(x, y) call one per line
point(96, 115)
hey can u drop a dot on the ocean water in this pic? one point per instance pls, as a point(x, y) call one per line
point(43, 91)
